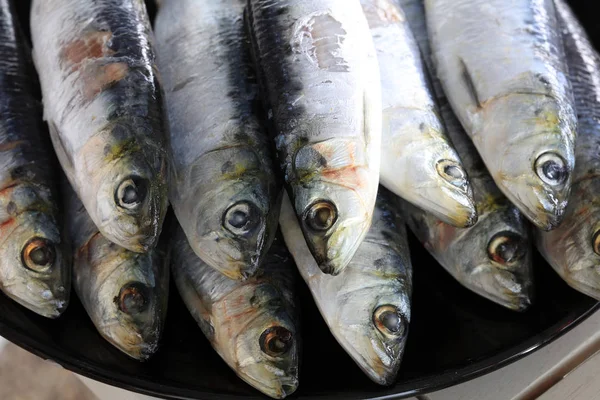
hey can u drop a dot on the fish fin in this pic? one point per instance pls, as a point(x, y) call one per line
point(469, 82)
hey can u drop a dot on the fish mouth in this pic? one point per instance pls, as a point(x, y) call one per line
point(586, 280)
point(502, 287)
point(47, 308)
point(283, 387)
point(458, 208)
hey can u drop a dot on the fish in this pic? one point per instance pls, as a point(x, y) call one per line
point(573, 248)
point(367, 306)
point(35, 270)
point(124, 293)
point(418, 162)
point(493, 257)
point(103, 104)
point(251, 324)
point(319, 76)
point(503, 69)
point(223, 189)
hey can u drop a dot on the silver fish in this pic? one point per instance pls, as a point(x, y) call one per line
point(318, 69)
point(103, 103)
point(124, 293)
point(418, 162)
point(493, 257)
point(252, 324)
point(573, 249)
point(367, 307)
point(35, 269)
point(502, 66)
point(224, 191)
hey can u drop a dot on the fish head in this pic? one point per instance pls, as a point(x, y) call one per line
point(124, 293)
point(35, 269)
point(492, 258)
point(573, 248)
point(372, 320)
point(267, 347)
point(236, 210)
point(333, 196)
point(528, 146)
point(127, 194)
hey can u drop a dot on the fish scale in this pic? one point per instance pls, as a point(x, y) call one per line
point(320, 82)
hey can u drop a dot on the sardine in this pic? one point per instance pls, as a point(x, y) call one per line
point(502, 66)
point(318, 70)
point(103, 103)
point(573, 249)
point(124, 293)
point(252, 324)
point(367, 307)
point(418, 162)
point(35, 269)
point(224, 191)
point(492, 258)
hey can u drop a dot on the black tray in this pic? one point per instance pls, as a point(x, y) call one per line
point(454, 335)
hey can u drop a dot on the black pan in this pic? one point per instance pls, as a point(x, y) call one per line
point(454, 335)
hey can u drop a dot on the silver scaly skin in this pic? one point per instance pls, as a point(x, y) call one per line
point(502, 67)
point(124, 293)
point(103, 103)
point(35, 269)
point(493, 257)
point(252, 324)
point(367, 306)
point(573, 249)
point(223, 189)
point(418, 162)
point(318, 71)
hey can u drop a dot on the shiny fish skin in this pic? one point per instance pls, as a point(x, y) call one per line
point(320, 78)
point(103, 103)
point(502, 66)
point(492, 258)
point(354, 303)
point(222, 166)
point(241, 318)
point(418, 162)
point(573, 248)
point(29, 213)
point(124, 293)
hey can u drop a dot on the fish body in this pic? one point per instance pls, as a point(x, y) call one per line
point(35, 269)
point(418, 162)
point(367, 306)
point(318, 70)
point(223, 190)
point(502, 66)
point(493, 257)
point(103, 104)
point(124, 293)
point(573, 248)
point(252, 324)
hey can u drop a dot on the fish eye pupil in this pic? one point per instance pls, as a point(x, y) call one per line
point(389, 320)
point(451, 172)
point(506, 248)
point(131, 192)
point(321, 215)
point(454, 171)
point(238, 219)
point(130, 195)
point(276, 341)
point(552, 169)
point(41, 255)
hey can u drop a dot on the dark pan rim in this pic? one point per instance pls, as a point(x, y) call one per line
point(408, 388)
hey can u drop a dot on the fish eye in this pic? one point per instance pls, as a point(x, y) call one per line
point(241, 218)
point(390, 321)
point(321, 215)
point(276, 341)
point(131, 192)
point(506, 248)
point(38, 255)
point(133, 298)
point(596, 242)
point(552, 169)
point(452, 172)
